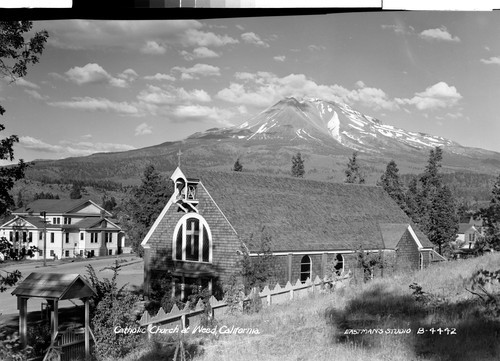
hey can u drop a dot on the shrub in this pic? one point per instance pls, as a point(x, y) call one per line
point(113, 314)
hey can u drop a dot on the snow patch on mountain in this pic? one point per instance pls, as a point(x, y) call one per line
point(334, 127)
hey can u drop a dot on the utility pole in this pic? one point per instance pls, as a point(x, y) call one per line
point(44, 214)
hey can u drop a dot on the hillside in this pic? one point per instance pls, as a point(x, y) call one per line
point(322, 325)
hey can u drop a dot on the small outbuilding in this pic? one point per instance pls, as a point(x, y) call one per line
point(53, 287)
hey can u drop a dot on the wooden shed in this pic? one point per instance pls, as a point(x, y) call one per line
point(53, 287)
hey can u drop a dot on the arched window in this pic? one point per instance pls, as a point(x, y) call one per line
point(305, 268)
point(192, 239)
point(339, 264)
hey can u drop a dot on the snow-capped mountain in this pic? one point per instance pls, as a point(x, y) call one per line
point(323, 121)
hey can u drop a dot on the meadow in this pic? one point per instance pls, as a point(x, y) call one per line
point(436, 319)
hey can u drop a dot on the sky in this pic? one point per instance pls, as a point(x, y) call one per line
point(105, 86)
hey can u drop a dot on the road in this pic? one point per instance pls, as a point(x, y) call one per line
point(131, 273)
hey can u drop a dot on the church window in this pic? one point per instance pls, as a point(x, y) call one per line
point(192, 239)
point(339, 264)
point(305, 268)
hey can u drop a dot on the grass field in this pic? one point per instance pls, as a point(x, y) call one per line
point(316, 328)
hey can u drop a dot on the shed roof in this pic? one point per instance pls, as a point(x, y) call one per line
point(54, 286)
point(301, 214)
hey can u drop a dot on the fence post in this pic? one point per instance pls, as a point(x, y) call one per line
point(183, 321)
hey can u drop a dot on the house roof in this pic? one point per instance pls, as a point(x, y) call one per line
point(54, 286)
point(305, 215)
point(54, 206)
point(464, 227)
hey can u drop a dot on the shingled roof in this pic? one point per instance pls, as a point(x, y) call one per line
point(305, 215)
point(54, 286)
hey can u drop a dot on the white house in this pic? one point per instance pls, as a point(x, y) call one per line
point(71, 228)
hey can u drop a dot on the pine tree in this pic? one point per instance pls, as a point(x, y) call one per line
point(144, 204)
point(238, 167)
point(392, 184)
point(443, 220)
point(20, 201)
point(298, 166)
point(352, 173)
point(76, 192)
point(491, 217)
point(431, 205)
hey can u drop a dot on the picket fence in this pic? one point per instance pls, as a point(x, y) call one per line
point(192, 316)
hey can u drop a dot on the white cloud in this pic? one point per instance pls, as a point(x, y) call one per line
point(129, 75)
point(254, 39)
point(98, 104)
point(87, 148)
point(160, 77)
point(279, 58)
point(159, 96)
point(439, 95)
point(440, 34)
point(202, 113)
point(316, 47)
point(263, 89)
point(154, 48)
point(25, 83)
point(199, 53)
point(197, 70)
point(373, 98)
point(197, 38)
point(35, 94)
point(143, 129)
point(492, 60)
point(31, 143)
point(67, 148)
point(93, 73)
point(400, 28)
point(92, 34)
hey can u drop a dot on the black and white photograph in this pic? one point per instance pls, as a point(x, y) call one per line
point(310, 185)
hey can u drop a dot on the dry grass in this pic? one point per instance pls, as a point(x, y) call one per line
point(314, 328)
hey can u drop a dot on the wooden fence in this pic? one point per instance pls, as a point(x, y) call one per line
point(68, 345)
point(191, 316)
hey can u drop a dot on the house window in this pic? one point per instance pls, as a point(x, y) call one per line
point(51, 253)
point(66, 253)
point(51, 237)
point(339, 264)
point(11, 236)
point(421, 260)
point(24, 237)
point(81, 236)
point(192, 239)
point(67, 220)
point(93, 237)
point(67, 237)
point(110, 252)
point(305, 268)
point(40, 236)
point(30, 237)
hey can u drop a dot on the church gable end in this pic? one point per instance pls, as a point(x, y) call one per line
point(192, 240)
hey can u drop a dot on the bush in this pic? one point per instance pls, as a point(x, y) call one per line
point(112, 315)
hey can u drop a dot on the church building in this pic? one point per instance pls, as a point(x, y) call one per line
point(212, 217)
